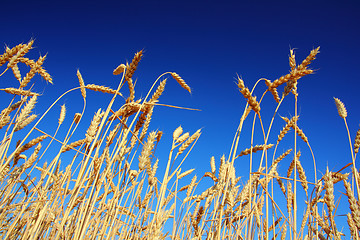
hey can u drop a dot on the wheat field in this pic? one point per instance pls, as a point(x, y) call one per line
point(106, 184)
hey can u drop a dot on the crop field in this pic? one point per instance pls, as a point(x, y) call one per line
point(98, 177)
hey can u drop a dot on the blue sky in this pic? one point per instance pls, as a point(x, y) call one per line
point(207, 43)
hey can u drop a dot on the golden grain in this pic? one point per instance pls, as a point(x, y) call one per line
point(33, 157)
point(272, 90)
point(184, 174)
point(73, 145)
point(82, 84)
point(191, 186)
point(329, 191)
point(120, 69)
point(25, 122)
point(353, 204)
point(24, 48)
point(212, 176)
point(183, 137)
point(309, 58)
point(32, 72)
point(158, 91)
point(9, 53)
point(144, 159)
point(28, 145)
point(357, 142)
point(250, 99)
point(181, 81)
point(90, 133)
point(176, 134)
point(255, 149)
point(26, 110)
point(62, 114)
point(340, 107)
point(212, 164)
point(103, 89)
point(17, 91)
point(187, 143)
point(77, 117)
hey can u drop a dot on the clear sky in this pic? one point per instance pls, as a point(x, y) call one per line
point(207, 43)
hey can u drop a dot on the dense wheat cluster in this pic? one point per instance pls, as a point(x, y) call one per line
point(110, 188)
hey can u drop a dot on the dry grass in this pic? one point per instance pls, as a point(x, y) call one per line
point(105, 184)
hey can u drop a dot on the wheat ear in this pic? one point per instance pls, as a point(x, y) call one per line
point(102, 89)
point(26, 110)
point(144, 159)
point(73, 145)
point(21, 92)
point(25, 48)
point(255, 149)
point(181, 81)
point(120, 69)
point(357, 142)
point(28, 145)
point(340, 107)
point(9, 53)
point(247, 94)
point(82, 84)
